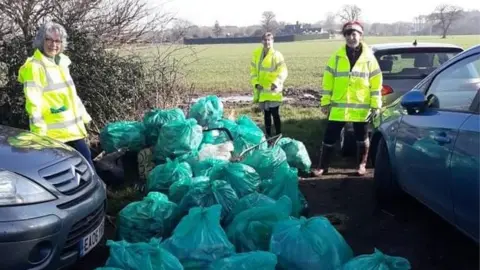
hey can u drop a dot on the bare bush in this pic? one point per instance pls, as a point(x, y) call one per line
point(115, 84)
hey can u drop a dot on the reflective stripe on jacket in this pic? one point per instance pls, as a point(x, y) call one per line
point(52, 103)
point(267, 71)
point(351, 94)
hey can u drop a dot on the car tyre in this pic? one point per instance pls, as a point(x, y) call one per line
point(386, 188)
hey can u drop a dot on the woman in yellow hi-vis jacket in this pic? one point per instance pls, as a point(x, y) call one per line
point(352, 82)
point(52, 103)
point(268, 73)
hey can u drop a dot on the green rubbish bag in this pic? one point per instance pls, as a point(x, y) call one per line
point(243, 178)
point(178, 138)
point(141, 256)
point(205, 167)
point(155, 119)
point(206, 110)
point(247, 134)
point(296, 152)
point(248, 202)
point(285, 183)
point(267, 161)
point(179, 189)
point(255, 260)
point(199, 240)
point(219, 136)
point(251, 229)
point(306, 244)
point(377, 261)
point(208, 193)
point(154, 216)
point(123, 134)
point(164, 175)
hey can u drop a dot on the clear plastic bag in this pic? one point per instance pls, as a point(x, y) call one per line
point(221, 151)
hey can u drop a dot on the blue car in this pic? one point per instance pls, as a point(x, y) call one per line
point(427, 144)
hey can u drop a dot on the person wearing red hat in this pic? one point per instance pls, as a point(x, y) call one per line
point(352, 82)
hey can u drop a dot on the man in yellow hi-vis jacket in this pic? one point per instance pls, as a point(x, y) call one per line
point(352, 83)
point(52, 103)
point(268, 73)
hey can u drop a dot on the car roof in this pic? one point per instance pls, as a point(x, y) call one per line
point(407, 45)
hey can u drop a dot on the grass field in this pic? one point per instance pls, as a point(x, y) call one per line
point(225, 67)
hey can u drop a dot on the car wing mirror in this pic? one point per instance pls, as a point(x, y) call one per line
point(414, 102)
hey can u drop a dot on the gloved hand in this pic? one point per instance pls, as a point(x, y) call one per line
point(258, 87)
point(325, 109)
point(374, 112)
point(275, 88)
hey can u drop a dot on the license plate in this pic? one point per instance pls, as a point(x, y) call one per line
point(91, 240)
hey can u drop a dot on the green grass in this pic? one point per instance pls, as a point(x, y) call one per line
point(225, 67)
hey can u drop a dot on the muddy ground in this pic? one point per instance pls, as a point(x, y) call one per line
point(415, 233)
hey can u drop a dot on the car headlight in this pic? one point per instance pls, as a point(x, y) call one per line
point(16, 189)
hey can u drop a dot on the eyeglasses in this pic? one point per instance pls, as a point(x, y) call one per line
point(53, 41)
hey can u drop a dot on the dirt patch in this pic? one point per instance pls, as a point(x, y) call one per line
point(292, 96)
point(413, 231)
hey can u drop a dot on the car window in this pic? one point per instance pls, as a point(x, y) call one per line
point(411, 64)
point(456, 87)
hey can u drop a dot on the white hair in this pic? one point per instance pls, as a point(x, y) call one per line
point(47, 30)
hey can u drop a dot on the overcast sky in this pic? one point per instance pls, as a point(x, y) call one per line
point(248, 12)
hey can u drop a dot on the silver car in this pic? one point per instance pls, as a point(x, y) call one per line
point(403, 65)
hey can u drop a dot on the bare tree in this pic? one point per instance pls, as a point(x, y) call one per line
point(349, 13)
point(445, 15)
point(180, 29)
point(24, 15)
point(217, 29)
point(269, 22)
point(330, 22)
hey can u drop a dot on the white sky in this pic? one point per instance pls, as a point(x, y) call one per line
point(248, 12)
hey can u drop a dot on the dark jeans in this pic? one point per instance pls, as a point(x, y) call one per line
point(334, 128)
point(268, 115)
point(82, 147)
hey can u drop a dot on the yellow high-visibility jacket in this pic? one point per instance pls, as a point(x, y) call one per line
point(352, 94)
point(52, 103)
point(266, 71)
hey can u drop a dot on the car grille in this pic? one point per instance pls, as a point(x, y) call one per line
point(68, 176)
point(82, 228)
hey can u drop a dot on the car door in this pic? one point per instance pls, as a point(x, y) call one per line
point(465, 170)
point(425, 141)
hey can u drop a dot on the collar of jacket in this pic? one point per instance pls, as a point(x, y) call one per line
point(64, 60)
point(366, 52)
point(260, 50)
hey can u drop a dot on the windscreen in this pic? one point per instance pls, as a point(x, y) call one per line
point(412, 64)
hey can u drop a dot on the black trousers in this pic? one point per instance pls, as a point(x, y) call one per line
point(82, 147)
point(334, 128)
point(268, 115)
